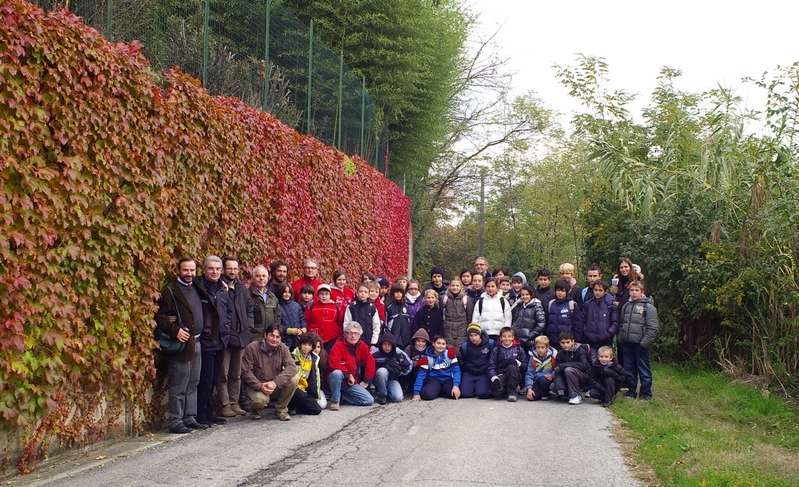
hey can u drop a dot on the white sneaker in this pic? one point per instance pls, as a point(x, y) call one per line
point(576, 400)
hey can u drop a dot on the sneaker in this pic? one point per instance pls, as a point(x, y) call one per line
point(180, 429)
point(605, 404)
point(544, 398)
point(255, 415)
point(282, 415)
point(237, 409)
point(227, 412)
point(511, 397)
point(333, 406)
point(576, 400)
point(381, 400)
point(630, 396)
point(588, 394)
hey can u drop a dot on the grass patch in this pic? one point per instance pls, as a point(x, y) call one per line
point(702, 429)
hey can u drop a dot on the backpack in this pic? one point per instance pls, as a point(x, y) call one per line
point(501, 302)
point(465, 300)
point(571, 304)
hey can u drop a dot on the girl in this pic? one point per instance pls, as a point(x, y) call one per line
point(529, 318)
point(491, 311)
point(292, 318)
point(566, 271)
point(339, 292)
point(367, 277)
point(398, 322)
point(439, 373)
point(431, 316)
point(623, 277)
point(413, 298)
point(458, 310)
point(306, 399)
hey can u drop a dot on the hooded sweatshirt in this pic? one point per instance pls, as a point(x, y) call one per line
point(395, 361)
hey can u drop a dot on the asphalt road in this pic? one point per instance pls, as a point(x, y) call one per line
point(441, 442)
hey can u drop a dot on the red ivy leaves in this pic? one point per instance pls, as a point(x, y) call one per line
point(105, 180)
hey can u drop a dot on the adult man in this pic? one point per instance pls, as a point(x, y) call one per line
point(279, 271)
point(213, 344)
point(240, 304)
point(184, 311)
point(592, 274)
point(352, 368)
point(269, 373)
point(309, 269)
point(266, 309)
point(481, 266)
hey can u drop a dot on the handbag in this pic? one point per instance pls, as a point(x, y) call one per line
point(169, 344)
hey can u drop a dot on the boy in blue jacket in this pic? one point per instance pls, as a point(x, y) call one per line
point(474, 355)
point(439, 373)
point(540, 372)
point(390, 364)
point(600, 317)
point(507, 365)
point(571, 372)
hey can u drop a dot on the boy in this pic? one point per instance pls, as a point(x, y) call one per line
point(517, 282)
point(391, 363)
point(606, 378)
point(567, 273)
point(437, 282)
point(419, 343)
point(439, 373)
point(563, 314)
point(600, 317)
point(592, 274)
point(571, 372)
point(505, 286)
point(384, 287)
point(306, 296)
point(539, 375)
point(324, 317)
point(308, 398)
point(365, 313)
point(638, 330)
point(507, 366)
point(545, 293)
point(398, 322)
point(475, 353)
point(374, 298)
point(402, 280)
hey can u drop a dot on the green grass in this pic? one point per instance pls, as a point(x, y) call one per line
point(702, 429)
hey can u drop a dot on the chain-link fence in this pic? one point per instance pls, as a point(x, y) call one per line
point(224, 43)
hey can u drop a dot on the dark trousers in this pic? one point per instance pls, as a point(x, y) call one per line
point(606, 392)
point(303, 403)
point(541, 386)
point(570, 381)
point(507, 382)
point(209, 374)
point(475, 385)
point(433, 388)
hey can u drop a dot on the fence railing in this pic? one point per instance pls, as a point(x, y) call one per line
point(226, 44)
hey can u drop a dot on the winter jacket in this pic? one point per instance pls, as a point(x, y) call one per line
point(563, 316)
point(413, 305)
point(398, 322)
point(638, 322)
point(599, 372)
point(352, 360)
point(292, 319)
point(324, 319)
point(540, 366)
point(309, 375)
point(474, 358)
point(545, 295)
point(576, 356)
point(502, 357)
point(380, 306)
point(431, 319)
point(261, 364)
point(440, 290)
point(169, 307)
point(342, 297)
point(440, 367)
point(457, 317)
point(492, 313)
point(220, 299)
point(297, 285)
point(411, 350)
point(241, 313)
point(365, 314)
point(396, 362)
point(529, 321)
point(600, 320)
point(474, 295)
point(264, 313)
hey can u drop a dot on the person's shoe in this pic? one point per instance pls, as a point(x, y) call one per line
point(545, 398)
point(227, 412)
point(578, 399)
point(333, 406)
point(511, 397)
point(237, 409)
point(196, 426)
point(217, 420)
point(630, 396)
point(645, 398)
point(282, 415)
point(588, 394)
point(256, 415)
point(180, 429)
point(204, 421)
point(605, 404)
point(381, 400)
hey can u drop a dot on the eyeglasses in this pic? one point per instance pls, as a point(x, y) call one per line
point(309, 267)
point(413, 289)
point(352, 333)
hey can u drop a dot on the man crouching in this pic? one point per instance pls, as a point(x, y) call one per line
point(268, 370)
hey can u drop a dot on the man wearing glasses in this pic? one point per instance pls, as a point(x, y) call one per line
point(310, 268)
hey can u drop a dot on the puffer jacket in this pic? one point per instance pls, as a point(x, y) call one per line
point(456, 317)
point(563, 316)
point(600, 320)
point(639, 322)
point(529, 321)
point(599, 372)
point(493, 314)
point(474, 358)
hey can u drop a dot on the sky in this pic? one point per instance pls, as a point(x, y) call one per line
point(711, 42)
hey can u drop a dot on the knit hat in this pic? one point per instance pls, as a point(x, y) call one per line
point(436, 270)
point(474, 328)
point(382, 281)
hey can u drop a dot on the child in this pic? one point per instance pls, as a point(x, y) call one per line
point(606, 378)
point(517, 282)
point(397, 320)
point(437, 282)
point(638, 330)
point(492, 311)
point(339, 292)
point(571, 372)
point(563, 315)
point(592, 274)
point(384, 287)
point(413, 298)
point(600, 317)
point(401, 280)
point(474, 354)
point(308, 398)
point(391, 363)
point(374, 298)
point(306, 296)
point(416, 350)
point(431, 316)
point(439, 374)
point(458, 311)
point(365, 313)
point(540, 375)
point(466, 278)
point(322, 354)
point(505, 286)
point(367, 277)
point(324, 317)
point(292, 315)
point(545, 293)
point(529, 318)
point(475, 290)
point(507, 365)
point(567, 273)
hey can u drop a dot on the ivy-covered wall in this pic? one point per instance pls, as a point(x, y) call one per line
point(106, 179)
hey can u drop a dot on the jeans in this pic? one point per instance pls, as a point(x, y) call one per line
point(636, 365)
point(475, 385)
point(386, 387)
point(354, 394)
point(183, 380)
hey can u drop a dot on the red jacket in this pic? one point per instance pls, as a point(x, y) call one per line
point(352, 360)
point(381, 312)
point(325, 320)
point(297, 285)
point(342, 297)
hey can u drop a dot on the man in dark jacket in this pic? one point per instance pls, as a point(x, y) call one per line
point(229, 386)
point(185, 312)
point(266, 309)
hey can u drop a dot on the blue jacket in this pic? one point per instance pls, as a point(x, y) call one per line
point(291, 316)
point(600, 320)
point(539, 367)
point(474, 358)
point(440, 367)
point(563, 316)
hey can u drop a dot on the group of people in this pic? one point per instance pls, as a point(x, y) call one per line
point(307, 345)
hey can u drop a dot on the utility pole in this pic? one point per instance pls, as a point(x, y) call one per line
point(481, 221)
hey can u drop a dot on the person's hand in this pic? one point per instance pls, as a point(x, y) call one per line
point(416, 398)
point(456, 392)
point(548, 377)
point(530, 394)
point(351, 380)
point(303, 330)
point(364, 384)
point(268, 387)
point(182, 335)
point(613, 290)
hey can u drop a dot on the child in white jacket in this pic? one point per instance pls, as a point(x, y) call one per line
point(492, 311)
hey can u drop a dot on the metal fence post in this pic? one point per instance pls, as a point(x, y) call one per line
point(205, 43)
point(109, 21)
point(267, 66)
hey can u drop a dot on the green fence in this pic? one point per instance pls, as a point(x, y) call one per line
point(225, 44)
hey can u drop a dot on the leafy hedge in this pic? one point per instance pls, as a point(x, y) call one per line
point(106, 179)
